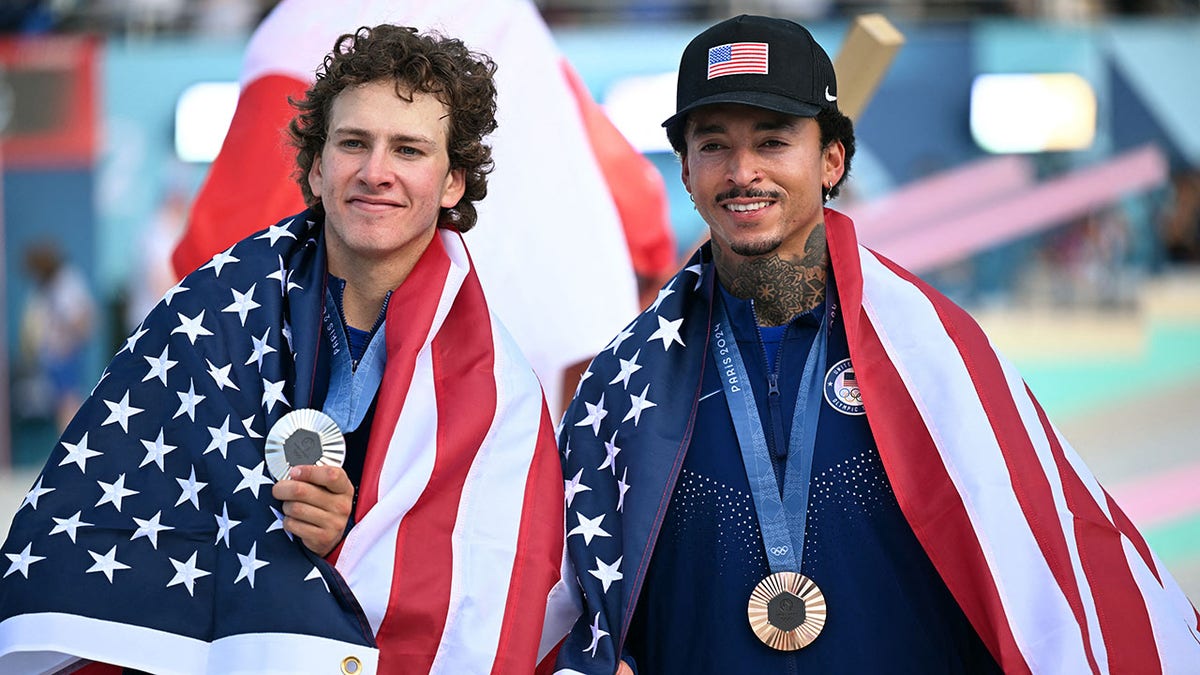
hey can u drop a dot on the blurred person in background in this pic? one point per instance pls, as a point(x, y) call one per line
point(802, 458)
point(1181, 220)
point(404, 516)
point(56, 325)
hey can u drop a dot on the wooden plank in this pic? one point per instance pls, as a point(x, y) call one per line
point(866, 54)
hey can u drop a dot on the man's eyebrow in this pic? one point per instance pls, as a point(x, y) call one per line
point(394, 138)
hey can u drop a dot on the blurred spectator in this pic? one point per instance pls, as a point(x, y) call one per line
point(55, 326)
point(1181, 219)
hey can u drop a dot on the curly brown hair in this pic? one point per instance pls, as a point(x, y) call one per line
point(428, 63)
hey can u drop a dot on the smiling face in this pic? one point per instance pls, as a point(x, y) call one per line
point(383, 176)
point(755, 176)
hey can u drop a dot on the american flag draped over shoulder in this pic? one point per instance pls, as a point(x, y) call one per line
point(1048, 569)
point(151, 539)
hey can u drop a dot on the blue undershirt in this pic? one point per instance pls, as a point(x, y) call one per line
point(888, 610)
point(356, 363)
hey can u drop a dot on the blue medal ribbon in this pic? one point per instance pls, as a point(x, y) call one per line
point(781, 518)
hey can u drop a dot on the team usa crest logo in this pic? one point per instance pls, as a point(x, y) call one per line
point(841, 389)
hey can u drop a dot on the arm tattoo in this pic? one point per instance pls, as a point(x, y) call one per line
point(781, 287)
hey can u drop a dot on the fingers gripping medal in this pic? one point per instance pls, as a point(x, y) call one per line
point(305, 436)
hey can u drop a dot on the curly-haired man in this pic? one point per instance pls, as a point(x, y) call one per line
point(415, 520)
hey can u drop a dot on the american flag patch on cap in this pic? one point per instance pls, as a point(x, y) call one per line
point(738, 58)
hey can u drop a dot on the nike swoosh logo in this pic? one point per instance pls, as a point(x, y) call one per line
point(828, 97)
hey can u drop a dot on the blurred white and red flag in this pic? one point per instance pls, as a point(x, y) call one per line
point(574, 214)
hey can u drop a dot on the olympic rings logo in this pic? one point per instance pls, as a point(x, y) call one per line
point(849, 394)
point(779, 550)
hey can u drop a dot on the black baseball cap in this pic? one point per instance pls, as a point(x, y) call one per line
point(755, 60)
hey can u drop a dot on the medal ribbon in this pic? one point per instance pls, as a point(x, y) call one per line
point(781, 519)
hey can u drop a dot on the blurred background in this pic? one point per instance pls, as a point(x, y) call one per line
point(1036, 160)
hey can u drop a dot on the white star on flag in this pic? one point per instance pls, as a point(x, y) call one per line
point(248, 425)
point(273, 393)
point(610, 455)
point(114, 492)
point(221, 438)
point(260, 350)
point(132, 341)
point(624, 335)
point(190, 489)
point(595, 414)
point(316, 574)
point(284, 276)
point(628, 368)
point(220, 260)
point(597, 633)
point(574, 486)
point(69, 525)
point(695, 269)
point(623, 486)
point(21, 561)
point(278, 524)
point(668, 332)
point(589, 527)
point(243, 303)
point(224, 525)
point(607, 573)
point(107, 563)
point(276, 232)
point(662, 295)
point(250, 565)
point(186, 573)
point(159, 366)
point(120, 412)
point(173, 291)
point(34, 494)
point(221, 376)
point(150, 529)
point(637, 404)
point(156, 450)
point(188, 401)
point(192, 327)
point(253, 479)
point(79, 453)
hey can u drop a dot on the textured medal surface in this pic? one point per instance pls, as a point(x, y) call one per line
point(304, 436)
point(787, 611)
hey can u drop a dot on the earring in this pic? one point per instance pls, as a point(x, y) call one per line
point(825, 190)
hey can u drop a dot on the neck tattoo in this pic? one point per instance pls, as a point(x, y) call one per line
point(780, 287)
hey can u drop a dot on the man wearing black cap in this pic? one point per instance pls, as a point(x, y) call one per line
point(801, 458)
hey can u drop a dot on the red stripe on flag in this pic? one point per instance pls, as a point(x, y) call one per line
point(923, 488)
point(409, 319)
point(538, 562)
point(236, 200)
point(1128, 529)
point(928, 498)
point(1030, 485)
point(1120, 607)
point(464, 384)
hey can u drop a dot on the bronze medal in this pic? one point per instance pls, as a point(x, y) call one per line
point(304, 436)
point(787, 611)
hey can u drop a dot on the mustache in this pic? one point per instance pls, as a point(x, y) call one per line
point(746, 193)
